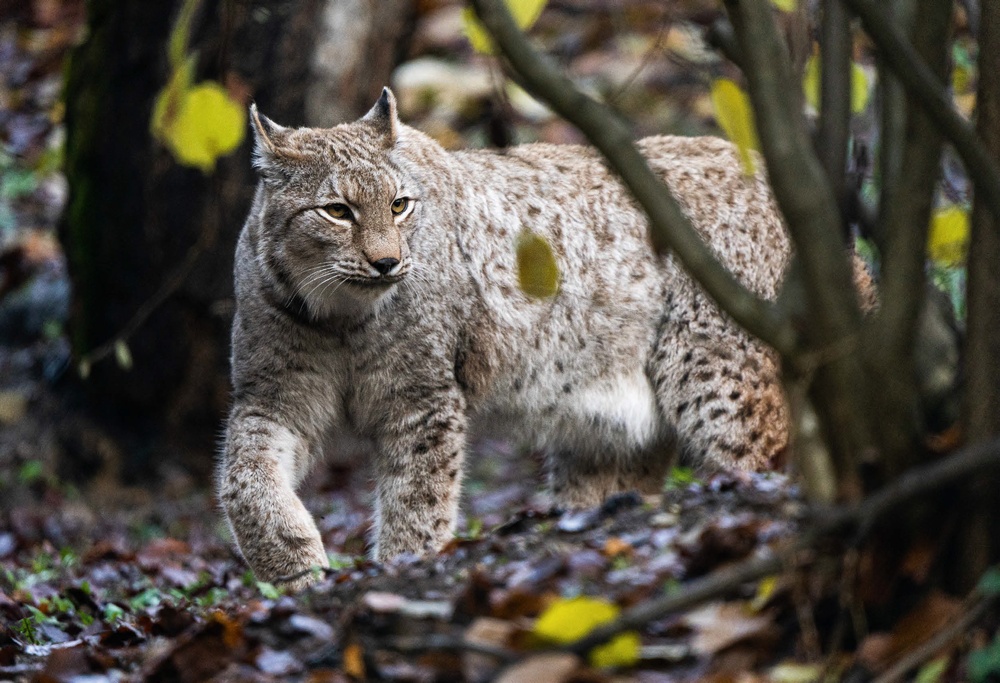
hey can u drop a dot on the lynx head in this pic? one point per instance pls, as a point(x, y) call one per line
point(335, 210)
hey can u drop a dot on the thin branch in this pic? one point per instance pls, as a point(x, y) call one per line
point(669, 227)
point(907, 220)
point(802, 192)
point(921, 83)
point(835, 99)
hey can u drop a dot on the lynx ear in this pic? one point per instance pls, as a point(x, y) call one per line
point(268, 137)
point(383, 116)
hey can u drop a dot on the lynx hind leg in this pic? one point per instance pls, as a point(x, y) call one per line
point(720, 388)
point(587, 476)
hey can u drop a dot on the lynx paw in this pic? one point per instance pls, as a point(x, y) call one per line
point(294, 568)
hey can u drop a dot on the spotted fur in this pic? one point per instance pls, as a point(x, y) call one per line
point(627, 363)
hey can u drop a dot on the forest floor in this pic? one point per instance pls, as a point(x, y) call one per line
point(102, 581)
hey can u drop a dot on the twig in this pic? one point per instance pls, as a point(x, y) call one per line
point(835, 99)
point(932, 97)
point(936, 642)
point(661, 33)
point(446, 643)
point(669, 227)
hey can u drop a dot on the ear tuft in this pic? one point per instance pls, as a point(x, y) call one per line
point(268, 137)
point(383, 116)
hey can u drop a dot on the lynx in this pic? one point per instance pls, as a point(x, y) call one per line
point(377, 298)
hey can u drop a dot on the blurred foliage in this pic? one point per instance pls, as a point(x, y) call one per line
point(525, 13)
point(197, 122)
point(786, 5)
point(860, 87)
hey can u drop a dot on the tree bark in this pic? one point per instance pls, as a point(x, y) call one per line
point(150, 243)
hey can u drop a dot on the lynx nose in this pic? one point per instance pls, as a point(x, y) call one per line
point(384, 265)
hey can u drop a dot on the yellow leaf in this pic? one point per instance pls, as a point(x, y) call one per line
point(860, 87)
point(622, 650)
point(537, 271)
point(793, 672)
point(786, 5)
point(765, 590)
point(525, 13)
point(206, 125)
point(735, 117)
point(961, 79)
point(567, 620)
point(948, 240)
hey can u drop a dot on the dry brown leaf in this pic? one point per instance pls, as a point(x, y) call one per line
point(485, 631)
point(721, 624)
point(615, 546)
point(354, 661)
point(551, 668)
point(879, 650)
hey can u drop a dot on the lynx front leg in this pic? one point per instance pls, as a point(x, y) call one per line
point(419, 476)
point(273, 529)
point(719, 387)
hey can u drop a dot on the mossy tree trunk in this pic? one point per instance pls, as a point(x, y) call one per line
point(149, 242)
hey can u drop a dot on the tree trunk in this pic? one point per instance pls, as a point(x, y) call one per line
point(150, 243)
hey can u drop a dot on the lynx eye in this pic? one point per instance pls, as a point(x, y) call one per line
point(400, 205)
point(341, 211)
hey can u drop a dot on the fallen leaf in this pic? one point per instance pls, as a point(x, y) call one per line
point(719, 625)
point(879, 650)
point(485, 631)
point(615, 546)
point(551, 668)
point(354, 661)
point(569, 619)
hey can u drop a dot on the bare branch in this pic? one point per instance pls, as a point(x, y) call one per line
point(930, 94)
point(669, 227)
point(903, 283)
point(803, 193)
point(835, 98)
